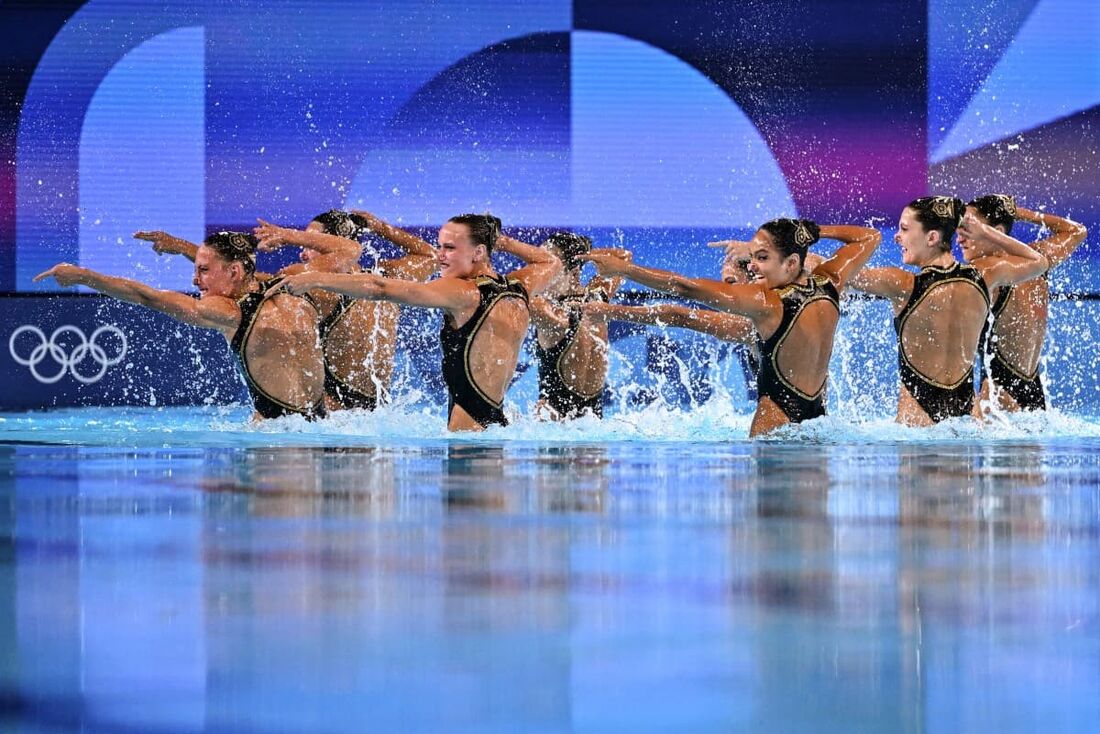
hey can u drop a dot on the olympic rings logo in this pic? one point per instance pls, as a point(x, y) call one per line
point(68, 353)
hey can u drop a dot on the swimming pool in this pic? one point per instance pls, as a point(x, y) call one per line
point(173, 569)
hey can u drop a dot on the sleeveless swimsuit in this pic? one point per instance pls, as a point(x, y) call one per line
point(564, 400)
point(795, 404)
point(938, 400)
point(1026, 390)
point(266, 405)
point(456, 343)
point(343, 393)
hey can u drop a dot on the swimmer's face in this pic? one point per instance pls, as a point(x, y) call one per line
point(214, 275)
point(458, 256)
point(917, 246)
point(769, 265)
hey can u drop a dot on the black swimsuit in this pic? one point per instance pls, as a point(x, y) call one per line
point(343, 393)
point(938, 400)
point(749, 361)
point(770, 383)
point(1026, 390)
point(456, 343)
point(564, 400)
point(265, 405)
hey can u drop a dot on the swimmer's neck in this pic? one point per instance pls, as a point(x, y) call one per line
point(803, 278)
point(248, 286)
point(943, 260)
point(481, 270)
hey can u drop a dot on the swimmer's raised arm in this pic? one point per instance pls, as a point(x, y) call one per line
point(892, 283)
point(749, 300)
point(334, 253)
point(541, 265)
point(724, 326)
point(1015, 263)
point(859, 244)
point(407, 241)
point(166, 244)
point(1065, 235)
point(212, 313)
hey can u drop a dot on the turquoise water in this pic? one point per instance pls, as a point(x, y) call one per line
point(180, 570)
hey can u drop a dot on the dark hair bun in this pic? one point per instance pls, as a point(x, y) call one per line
point(947, 209)
point(998, 209)
point(243, 243)
point(810, 227)
point(791, 235)
point(342, 224)
point(235, 247)
point(571, 246)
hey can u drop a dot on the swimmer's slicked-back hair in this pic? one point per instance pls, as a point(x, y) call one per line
point(484, 228)
point(571, 246)
point(998, 209)
point(793, 236)
point(342, 224)
point(239, 247)
point(941, 214)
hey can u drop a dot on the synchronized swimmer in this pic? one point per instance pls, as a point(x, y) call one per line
point(321, 335)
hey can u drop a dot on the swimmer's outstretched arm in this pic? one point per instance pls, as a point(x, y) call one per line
point(210, 313)
point(1015, 263)
point(333, 252)
point(1065, 236)
point(724, 326)
point(449, 294)
point(859, 244)
point(750, 299)
point(541, 266)
point(166, 244)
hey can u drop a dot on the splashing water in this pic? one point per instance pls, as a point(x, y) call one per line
point(400, 422)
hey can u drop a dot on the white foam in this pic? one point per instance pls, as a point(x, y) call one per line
point(398, 423)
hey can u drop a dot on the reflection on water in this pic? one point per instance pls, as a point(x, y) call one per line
point(749, 586)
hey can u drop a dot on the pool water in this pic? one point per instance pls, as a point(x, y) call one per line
point(180, 570)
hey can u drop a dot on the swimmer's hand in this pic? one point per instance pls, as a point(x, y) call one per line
point(164, 243)
point(973, 228)
point(366, 220)
point(298, 284)
point(271, 236)
point(735, 265)
point(64, 273)
point(616, 251)
point(607, 263)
